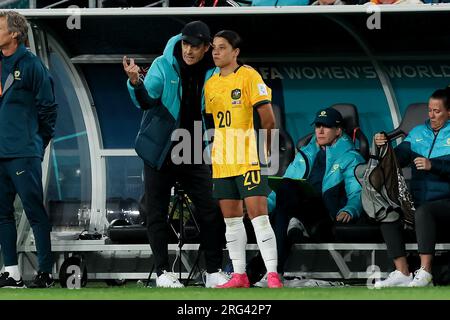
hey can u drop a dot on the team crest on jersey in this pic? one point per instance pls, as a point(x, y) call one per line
point(235, 94)
point(17, 75)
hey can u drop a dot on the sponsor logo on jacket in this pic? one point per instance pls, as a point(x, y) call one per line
point(335, 168)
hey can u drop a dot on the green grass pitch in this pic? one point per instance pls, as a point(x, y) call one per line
point(99, 291)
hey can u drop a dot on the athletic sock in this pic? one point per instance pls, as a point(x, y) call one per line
point(236, 242)
point(266, 241)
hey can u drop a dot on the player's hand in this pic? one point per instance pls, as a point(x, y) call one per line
point(343, 217)
point(380, 139)
point(131, 69)
point(422, 163)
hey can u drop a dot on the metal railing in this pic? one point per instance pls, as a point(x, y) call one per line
point(34, 4)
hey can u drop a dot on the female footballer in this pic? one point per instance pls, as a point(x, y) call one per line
point(231, 96)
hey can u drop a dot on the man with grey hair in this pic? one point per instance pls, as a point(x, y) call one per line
point(27, 124)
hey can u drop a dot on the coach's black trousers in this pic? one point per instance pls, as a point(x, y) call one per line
point(197, 183)
point(429, 218)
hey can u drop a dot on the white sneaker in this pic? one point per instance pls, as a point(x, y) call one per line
point(422, 278)
point(263, 283)
point(296, 231)
point(168, 280)
point(395, 279)
point(215, 279)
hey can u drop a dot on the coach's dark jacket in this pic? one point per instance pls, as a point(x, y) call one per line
point(27, 105)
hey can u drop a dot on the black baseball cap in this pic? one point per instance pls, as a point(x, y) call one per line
point(329, 117)
point(196, 33)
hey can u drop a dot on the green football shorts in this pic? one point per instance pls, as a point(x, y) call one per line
point(250, 184)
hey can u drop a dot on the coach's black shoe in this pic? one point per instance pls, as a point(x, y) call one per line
point(42, 280)
point(8, 282)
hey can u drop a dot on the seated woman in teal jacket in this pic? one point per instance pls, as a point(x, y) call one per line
point(328, 164)
point(427, 150)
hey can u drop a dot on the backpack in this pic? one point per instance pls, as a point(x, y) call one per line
point(384, 194)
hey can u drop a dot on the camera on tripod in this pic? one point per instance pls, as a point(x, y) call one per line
point(183, 223)
point(181, 217)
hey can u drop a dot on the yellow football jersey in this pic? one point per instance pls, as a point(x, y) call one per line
point(231, 100)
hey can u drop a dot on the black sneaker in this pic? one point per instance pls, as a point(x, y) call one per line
point(42, 280)
point(7, 282)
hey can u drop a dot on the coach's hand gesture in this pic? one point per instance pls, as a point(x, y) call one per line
point(132, 70)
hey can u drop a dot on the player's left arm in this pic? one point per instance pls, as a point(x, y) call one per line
point(267, 117)
point(260, 97)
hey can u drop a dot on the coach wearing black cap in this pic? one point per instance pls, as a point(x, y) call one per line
point(332, 193)
point(171, 95)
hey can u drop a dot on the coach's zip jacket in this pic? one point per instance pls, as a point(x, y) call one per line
point(161, 101)
point(341, 161)
point(27, 106)
point(422, 141)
